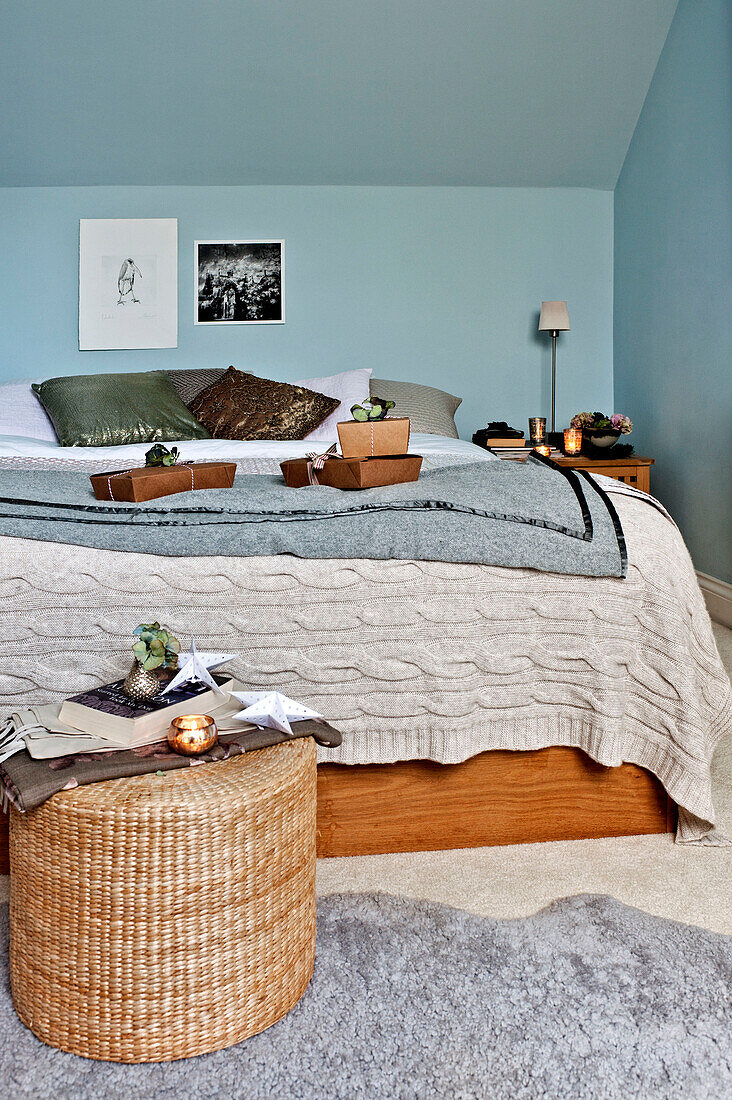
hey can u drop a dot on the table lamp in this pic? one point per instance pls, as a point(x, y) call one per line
point(554, 318)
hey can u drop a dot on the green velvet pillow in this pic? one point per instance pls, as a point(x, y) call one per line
point(108, 410)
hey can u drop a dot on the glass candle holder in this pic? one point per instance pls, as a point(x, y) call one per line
point(543, 449)
point(537, 430)
point(572, 441)
point(192, 734)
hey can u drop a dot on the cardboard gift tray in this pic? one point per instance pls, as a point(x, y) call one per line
point(361, 439)
point(149, 482)
point(353, 473)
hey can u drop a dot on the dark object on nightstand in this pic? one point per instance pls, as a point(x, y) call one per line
point(496, 430)
point(619, 450)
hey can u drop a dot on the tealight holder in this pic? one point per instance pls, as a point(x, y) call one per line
point(572, 441)
point(537, 430)
point(192, 734)
point(543, 449)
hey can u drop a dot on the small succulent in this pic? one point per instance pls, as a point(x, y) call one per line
point(374, 408)
point(159, 455)
point(155, 646)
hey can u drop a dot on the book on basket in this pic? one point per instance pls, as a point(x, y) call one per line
point(106, 711)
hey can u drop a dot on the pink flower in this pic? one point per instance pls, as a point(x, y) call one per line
point(621, 423)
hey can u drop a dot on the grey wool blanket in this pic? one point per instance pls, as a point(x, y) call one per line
point(530, 515)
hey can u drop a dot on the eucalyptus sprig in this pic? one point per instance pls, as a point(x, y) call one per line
point(159, 455)
point(374, 408)
point(156, 647)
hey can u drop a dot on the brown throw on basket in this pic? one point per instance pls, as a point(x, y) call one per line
point(27, 783)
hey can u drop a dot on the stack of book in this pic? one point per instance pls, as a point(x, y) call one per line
point(107, 713)
point(505, 443)
point(518, 449)
point(513, 449)
point(507, 447)
point(104, 718)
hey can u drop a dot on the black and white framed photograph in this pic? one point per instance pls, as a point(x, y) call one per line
point(240, 282)
point(128, 283)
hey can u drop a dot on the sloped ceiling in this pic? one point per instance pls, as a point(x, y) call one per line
point(422, 92)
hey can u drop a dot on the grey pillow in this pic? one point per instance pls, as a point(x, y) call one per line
point(189, 383)
point(430, 410)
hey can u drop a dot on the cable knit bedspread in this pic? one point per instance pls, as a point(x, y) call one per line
point(410, 659)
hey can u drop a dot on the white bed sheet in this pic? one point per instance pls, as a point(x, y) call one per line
point(15, 446)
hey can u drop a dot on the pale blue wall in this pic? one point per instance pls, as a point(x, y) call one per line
point(502, 93)
point(673, 280)
point(438, 285)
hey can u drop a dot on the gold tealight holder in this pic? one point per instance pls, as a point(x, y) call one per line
point(572, 441)
point(537, 430)
point(192, 734)
point(543, 449)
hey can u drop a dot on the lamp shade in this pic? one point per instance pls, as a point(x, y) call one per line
point(554, 317)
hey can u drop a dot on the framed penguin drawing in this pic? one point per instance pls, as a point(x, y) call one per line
point(128, 283)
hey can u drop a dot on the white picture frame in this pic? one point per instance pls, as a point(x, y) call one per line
point(128, 283)
point(239, 282)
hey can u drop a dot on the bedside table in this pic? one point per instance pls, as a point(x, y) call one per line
point(634, 470)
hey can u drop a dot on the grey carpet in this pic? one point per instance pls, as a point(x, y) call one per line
point(589, 998)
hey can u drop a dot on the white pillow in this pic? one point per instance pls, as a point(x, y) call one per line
point(21, 413)
point(350, 387)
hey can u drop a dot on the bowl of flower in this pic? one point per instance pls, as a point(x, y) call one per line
point(600, 430)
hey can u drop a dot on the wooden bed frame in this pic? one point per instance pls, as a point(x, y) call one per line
point(498, 797)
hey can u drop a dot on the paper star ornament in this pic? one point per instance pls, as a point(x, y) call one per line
point(194, 667)
point(273, 709)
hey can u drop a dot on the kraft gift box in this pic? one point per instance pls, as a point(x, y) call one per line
point(361, 439)
point(149, 482)
point(353, 473)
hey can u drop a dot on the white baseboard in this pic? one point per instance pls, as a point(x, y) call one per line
point(718, 596)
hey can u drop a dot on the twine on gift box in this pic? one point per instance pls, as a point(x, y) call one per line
point(317, 462)
point(124, 473)
point(371, 422)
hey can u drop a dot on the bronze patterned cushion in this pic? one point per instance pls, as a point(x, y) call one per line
point(242, 406)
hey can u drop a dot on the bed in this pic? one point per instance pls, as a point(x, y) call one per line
point(479, 704)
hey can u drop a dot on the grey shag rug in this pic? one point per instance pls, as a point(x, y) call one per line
point(589, 998)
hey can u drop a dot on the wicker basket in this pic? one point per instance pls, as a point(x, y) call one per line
point(169, 915)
